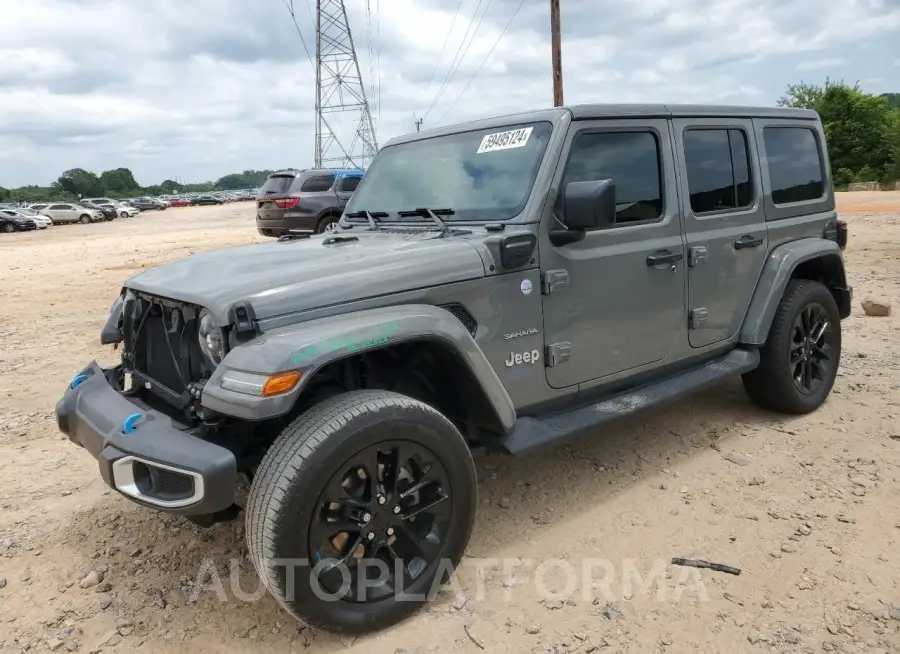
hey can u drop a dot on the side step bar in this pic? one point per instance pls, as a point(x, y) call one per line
point(531, 433)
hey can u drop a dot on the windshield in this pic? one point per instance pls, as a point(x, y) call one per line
point(481, 175)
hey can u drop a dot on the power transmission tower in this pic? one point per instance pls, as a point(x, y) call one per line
point(556, 47)
point(340, 90)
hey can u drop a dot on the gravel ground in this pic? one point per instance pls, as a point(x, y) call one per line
point(808, 508)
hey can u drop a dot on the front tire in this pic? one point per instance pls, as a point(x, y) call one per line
point(123, 214)
point(366, 482)
point(84, 219)
point(799, 361)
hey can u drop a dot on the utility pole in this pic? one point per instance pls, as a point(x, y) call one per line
point(340, 90)
point(419, 124)
point(556, 46)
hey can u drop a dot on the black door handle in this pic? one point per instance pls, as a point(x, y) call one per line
point(748, 241)
point(663, 257)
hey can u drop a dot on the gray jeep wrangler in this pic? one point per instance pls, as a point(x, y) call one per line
point(508, 283)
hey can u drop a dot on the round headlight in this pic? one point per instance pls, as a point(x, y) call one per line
point(212, 341)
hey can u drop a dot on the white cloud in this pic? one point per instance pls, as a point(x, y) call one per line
point(202, 88)
point(821, 64)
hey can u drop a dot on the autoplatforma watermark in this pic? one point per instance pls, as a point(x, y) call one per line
point(557, 579)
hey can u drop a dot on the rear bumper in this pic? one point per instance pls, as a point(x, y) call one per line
point(289, 223)
point(148, 459)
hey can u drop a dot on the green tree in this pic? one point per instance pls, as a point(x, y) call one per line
point(857, 125)
point(118, 181)
point(80, 182)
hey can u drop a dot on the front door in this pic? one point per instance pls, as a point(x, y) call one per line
point(614, 301)
point(725, 223)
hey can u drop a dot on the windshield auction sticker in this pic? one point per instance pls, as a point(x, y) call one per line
point(515, 138)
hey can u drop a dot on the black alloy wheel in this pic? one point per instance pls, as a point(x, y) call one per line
point(810, 356)
point(9, 228)
point(371, 497)
point(800, 358)
point(387, 509)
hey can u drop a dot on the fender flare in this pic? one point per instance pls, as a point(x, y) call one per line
point(309, 346)
point(777, 272)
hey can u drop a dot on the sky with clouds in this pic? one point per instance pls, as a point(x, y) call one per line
point(196, 89)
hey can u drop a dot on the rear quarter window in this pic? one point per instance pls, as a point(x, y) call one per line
point(317, 183)
point(795, 164)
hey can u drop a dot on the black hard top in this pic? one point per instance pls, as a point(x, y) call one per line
point(600, 111)
point(586, 111)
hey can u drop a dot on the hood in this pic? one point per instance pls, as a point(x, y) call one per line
point(278, 278)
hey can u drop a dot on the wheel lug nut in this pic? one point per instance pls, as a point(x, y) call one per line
point(371, 535)
point(382, 500)
point(396, 510)
point(390, 531)
point(366, 517)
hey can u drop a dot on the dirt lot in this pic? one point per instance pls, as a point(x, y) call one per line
point(808, 508)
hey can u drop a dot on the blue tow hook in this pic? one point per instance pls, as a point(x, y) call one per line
point(77, 381)
point(129, 423)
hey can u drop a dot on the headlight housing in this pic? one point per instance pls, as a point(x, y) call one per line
point(211, 337)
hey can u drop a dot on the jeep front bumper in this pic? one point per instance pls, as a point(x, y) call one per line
point(142, 453)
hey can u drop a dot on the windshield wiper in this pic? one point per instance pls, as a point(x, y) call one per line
point(372, 216)
point(424, 212)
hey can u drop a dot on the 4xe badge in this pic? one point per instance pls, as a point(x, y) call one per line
point(523, 358)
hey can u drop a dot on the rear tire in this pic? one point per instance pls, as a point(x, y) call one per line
point(9, 228)
point(800, 358)
point(322, 227)
point(313, 502)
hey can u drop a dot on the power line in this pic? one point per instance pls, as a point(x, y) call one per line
point(456, 58)
point(378, 60)
point(289, 5)
point(444, 47)
point(484, 61)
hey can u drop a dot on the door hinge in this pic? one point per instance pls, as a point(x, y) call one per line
point(696, 254)
point(558, 353)
point(554, 280)
point(698, 317)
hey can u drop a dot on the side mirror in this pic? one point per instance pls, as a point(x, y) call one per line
point(590, 205)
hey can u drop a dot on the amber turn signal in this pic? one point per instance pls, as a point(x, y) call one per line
point(280, 383)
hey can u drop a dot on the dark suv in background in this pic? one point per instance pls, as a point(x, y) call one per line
point(304, 201)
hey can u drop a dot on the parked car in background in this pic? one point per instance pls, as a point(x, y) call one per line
point(148, 204)
point(304, 201)
point(109, 211)
point(126, 210)
point(179, 202)
point(206, 200)
point(11, 224)
point(64, 212)
point(42, 222)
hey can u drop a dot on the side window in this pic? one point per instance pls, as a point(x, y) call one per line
point(349, 184)
point(795, 164)
point(317, 184)
point(631, 160)
point(718, 169)
point(59, 207)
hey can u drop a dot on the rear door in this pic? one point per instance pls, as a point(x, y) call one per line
point(345, 188)
point(725, 223)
